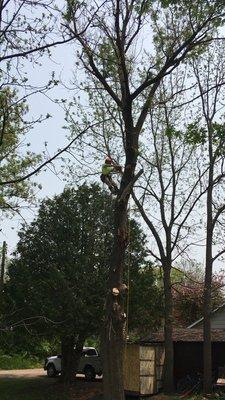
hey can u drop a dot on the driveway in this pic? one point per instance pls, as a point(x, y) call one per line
point(23, 373)
point(32, 373)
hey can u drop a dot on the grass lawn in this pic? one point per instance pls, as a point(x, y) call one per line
point(31, 389)
point(42, 388)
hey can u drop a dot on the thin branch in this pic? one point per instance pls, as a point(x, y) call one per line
point(23, 178)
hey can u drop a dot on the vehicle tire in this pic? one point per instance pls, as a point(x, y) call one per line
point(89, 373)
point(51, 371)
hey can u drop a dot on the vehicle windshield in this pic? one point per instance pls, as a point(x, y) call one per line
point(89, 352)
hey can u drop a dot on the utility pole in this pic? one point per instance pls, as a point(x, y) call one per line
point(3, 260)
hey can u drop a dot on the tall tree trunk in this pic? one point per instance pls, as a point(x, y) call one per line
point(168, 330)
point(207, 307)
point(2, 274)
point(115, 317)
point(78, 352)
point(67, 370)
point(207, 348)
point(207, 351)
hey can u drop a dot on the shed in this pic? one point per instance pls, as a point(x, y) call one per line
point(217, 319)
point(143, 361)
point(143, 367)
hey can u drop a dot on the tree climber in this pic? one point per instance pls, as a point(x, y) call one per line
point(109, 168)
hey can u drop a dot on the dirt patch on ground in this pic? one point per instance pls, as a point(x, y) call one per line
point(23, 373)
point(34, 384)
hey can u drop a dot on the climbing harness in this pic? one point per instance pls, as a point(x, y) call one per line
point(108, 168)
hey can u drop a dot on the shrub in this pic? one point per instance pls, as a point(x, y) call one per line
point(18, 361)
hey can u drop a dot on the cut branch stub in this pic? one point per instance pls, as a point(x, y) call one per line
point(120, 290)
point(115, 292)
point(123, 288)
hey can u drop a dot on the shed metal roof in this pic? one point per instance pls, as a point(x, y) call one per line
point(218, 309)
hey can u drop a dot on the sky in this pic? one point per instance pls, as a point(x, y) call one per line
point(50, 131)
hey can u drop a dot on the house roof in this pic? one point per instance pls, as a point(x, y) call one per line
point(185, 335)
point(201, 319)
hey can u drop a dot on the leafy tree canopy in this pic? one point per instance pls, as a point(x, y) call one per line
point(15, 157)
point(57, 280)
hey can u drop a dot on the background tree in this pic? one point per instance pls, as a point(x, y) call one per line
point(28, 32)
point(14, 158)
point(188, 295)
point(28, 29)
point(61, 266)
point(209, 73)
point(56, 282)
point(109, 53)
point(146, 305)
point(169, 191)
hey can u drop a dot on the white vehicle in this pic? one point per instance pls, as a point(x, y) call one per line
point(90, 364)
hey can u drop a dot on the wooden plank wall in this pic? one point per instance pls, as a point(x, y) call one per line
point(143, 368)
point(147, 370)
point(131, 373)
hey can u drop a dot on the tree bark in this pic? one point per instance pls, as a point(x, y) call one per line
point(207, 351)
point(168, 330)
point(78, 352)
point(67, 370)
point(115, 317)
point(3, 260)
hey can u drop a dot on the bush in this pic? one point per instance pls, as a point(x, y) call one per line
point(19, 361)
